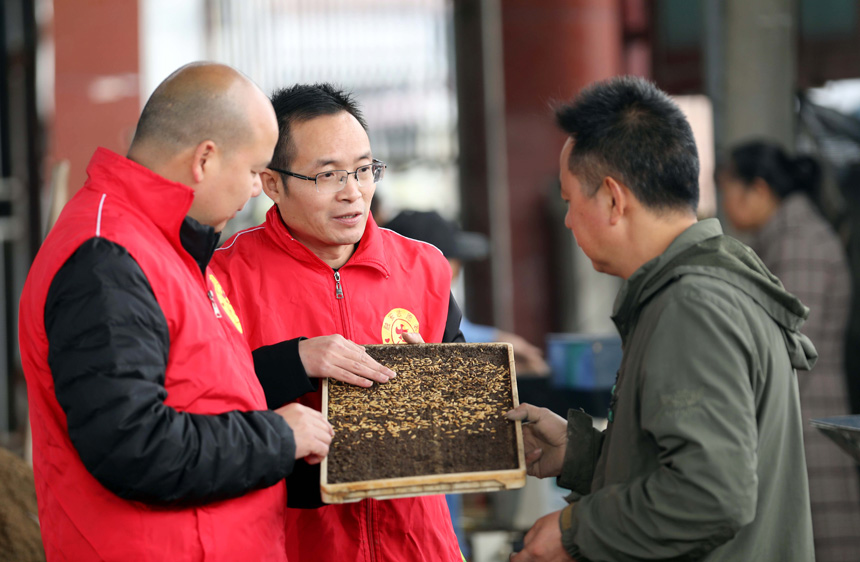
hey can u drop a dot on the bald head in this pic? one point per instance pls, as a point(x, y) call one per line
point(210, 128)
point(200, 101)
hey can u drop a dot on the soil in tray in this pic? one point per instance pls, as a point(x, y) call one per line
point(441, 414)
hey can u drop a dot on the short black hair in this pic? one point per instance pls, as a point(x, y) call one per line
point(769, 161)
point(303, 102)
point(628, 128)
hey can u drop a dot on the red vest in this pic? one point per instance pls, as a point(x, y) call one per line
point(281, 291)
point(209, 371)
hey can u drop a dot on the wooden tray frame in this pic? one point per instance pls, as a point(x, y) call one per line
point(452, 483)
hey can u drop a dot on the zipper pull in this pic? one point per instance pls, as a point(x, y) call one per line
point(338, 292)
point(214, 306)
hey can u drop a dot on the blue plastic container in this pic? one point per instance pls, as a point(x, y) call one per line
point(583, 362)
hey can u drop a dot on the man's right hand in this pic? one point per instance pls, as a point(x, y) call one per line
point(338, 358)
point(544, 439)
point(311, 431)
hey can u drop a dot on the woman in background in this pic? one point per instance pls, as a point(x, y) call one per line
point(766, 194)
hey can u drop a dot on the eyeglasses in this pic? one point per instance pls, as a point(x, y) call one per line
point(332, 181)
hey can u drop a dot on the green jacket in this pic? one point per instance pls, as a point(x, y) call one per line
point(703, 456)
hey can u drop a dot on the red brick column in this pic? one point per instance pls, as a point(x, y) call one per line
point(97, 94)
point(552, 48)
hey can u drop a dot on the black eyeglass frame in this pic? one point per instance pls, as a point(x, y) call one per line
point(375, 163)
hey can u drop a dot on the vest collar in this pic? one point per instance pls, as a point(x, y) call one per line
point(369, 253)
point(165, 203)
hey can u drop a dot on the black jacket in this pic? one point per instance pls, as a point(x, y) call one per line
point(108, 350)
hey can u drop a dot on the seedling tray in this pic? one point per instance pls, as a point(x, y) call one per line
point(436, 428)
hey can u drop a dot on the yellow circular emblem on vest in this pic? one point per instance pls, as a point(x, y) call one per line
point(396, 323)
point(225, 303)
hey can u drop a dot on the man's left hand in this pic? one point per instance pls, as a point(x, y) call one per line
point(544, 439)
point(543, 542)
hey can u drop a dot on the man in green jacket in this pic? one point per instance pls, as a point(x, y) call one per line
point(703, 457)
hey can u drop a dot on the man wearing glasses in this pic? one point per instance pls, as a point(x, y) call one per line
point(317, 276)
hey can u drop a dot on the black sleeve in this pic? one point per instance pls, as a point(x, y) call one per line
point(283, 378)
point(452, 325)
point(108, 345)
point(281, 373)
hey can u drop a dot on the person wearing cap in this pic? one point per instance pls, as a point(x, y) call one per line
point(460, 246)
point(315, 280)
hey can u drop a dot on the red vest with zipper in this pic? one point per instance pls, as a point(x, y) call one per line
point(209, 371)
point(281, 290)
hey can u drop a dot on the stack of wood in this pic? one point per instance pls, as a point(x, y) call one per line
point(20, 538)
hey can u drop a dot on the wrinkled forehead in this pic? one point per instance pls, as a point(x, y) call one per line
point(329, 139)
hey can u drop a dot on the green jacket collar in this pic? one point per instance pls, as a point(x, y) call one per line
point(703, 249)
point(630, 297)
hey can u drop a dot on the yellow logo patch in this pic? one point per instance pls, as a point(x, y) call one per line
point(395, 323)
point(225, 303)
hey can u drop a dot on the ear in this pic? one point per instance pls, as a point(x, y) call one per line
point(204, 160)
point(618, 199)
point(272, 185)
